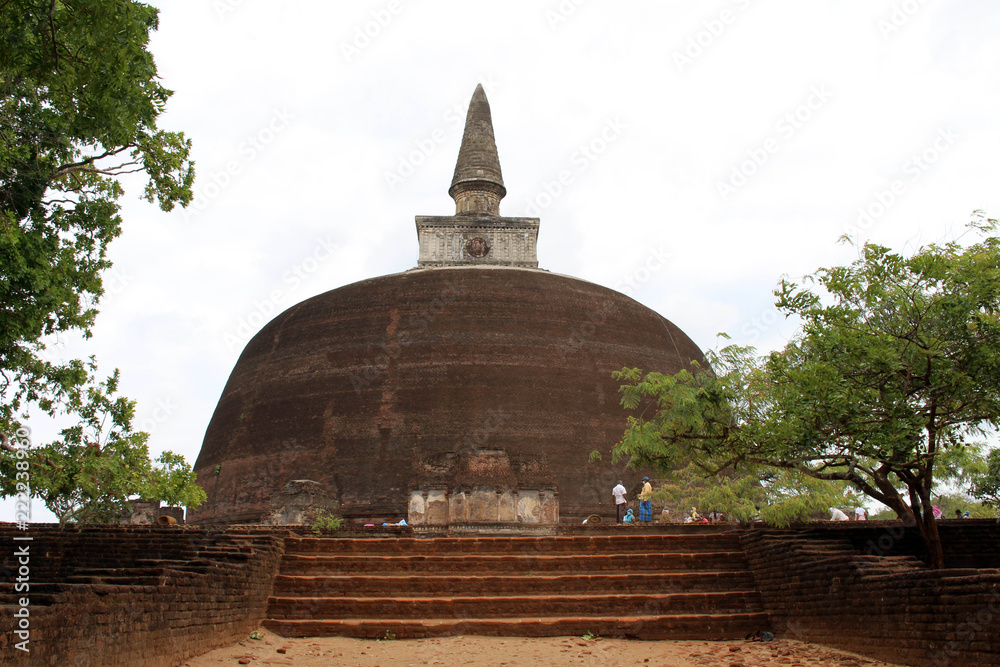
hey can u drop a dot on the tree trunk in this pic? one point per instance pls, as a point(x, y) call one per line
point(921, 516)
point(932, 541)
point(927, 525)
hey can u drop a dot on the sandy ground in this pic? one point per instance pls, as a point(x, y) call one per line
point(325, 651)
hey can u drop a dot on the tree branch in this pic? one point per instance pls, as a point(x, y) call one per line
point(86, 162)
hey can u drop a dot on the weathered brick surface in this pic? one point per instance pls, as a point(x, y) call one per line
point(155, 596)
point(137, 595)
point(863, 588)
point(352, 387)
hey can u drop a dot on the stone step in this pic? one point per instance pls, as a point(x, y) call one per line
point(119, 580)
point(517, 545)
point(487, 564)
point(645, 627)
point(117, 571)
point(416, 585)
point(303, 608)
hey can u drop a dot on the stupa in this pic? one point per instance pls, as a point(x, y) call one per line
point(419, 394)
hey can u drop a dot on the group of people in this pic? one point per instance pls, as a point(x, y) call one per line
point(860, 514)
point(626, 515)
point(711, 517)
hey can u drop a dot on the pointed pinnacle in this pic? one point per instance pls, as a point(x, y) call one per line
point(478, 183)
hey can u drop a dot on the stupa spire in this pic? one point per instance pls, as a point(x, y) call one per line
point(477, 235)
point(477, 187)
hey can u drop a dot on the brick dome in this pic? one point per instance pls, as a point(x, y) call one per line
point(356, 387)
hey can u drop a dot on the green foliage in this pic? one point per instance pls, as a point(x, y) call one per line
point(174, 483)
point(79, 100)
point(590, 636)
point(986, 484)
point(326, 523)
point(89, 474)
point(951, 502)
point(896, 366)
point(776, 497)
point(388, 636)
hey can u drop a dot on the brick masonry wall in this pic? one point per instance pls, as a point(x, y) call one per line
point(157, 596)
point(134, 595)
point(863, 588)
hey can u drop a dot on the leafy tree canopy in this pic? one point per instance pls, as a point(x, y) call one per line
point(986, 483)
point(755, 493)
point(79, 100)
point(92, 470)
point(896, 365)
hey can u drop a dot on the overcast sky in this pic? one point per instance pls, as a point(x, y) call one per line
point(686, 153)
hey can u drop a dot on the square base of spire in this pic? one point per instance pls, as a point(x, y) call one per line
point(461, 240)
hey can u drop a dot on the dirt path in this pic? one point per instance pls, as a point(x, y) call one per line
point(493, 651)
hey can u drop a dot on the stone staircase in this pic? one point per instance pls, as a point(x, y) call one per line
point(646, 586)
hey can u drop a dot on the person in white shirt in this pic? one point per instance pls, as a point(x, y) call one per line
point(619, 493)
point(860, 514)
point(837, 515)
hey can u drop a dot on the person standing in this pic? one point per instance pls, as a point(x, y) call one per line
point(645, 504)
point(619, 493)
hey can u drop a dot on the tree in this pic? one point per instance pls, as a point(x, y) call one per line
point(173, 482)
point(79, 100)
point(896, 364)
point(91, 472)
point(986, 484)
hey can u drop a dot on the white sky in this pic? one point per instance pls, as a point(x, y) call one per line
point(321, 129)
